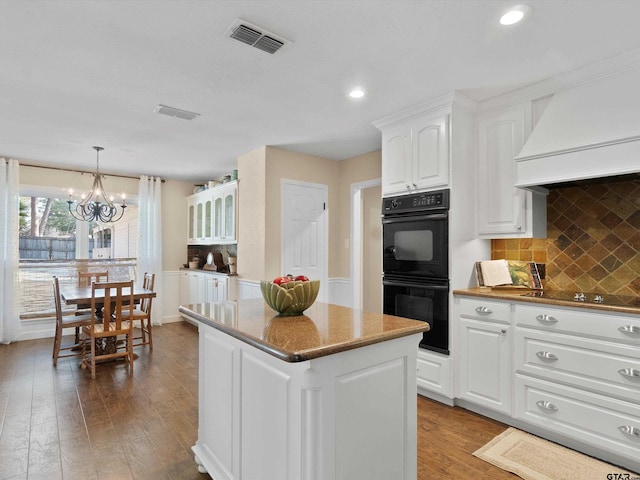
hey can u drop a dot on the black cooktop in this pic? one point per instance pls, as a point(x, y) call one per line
point(590, 298)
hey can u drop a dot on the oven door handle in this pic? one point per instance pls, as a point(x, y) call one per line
point(416, 285)
point(413, 218)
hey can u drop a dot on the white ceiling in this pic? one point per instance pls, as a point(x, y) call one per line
point(74, 74)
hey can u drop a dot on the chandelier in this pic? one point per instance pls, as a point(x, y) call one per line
point(96, 207)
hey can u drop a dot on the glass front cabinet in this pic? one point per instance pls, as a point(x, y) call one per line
point(211, 215)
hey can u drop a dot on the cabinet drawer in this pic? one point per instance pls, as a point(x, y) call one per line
point(608, 368)
point(482, 309)
point(433, 372)
point(604, 423)
point(579, 321)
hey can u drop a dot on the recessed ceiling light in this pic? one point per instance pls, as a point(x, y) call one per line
point(356, 93)
point(515, 14)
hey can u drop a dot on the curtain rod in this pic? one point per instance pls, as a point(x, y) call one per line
point(80, 171)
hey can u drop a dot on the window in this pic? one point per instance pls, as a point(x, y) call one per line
point(47, 230)
point(52, 243)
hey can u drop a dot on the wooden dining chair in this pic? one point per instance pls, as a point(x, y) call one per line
point(142, 314)
point(62, 323)
point(102, 333)
point(85, 279)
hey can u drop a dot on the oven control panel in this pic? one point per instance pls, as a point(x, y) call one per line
point(437, 200)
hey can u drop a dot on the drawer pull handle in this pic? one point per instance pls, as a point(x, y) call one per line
point(484, 310)
point(629, 372)
point(544, 318)
point(629, 430)
point(546, 356)
point(548, 406)
point(630, 329)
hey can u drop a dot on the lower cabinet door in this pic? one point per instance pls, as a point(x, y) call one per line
point(485, 367)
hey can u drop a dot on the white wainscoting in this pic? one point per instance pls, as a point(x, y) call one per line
point(171, 297)
point(248, 289)
point(341, 291)
point(38, 328)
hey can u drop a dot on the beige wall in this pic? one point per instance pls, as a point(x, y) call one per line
point(174, 193)
point(353, 170)
point(259, 226)
point(372, 249)
point(252, 214)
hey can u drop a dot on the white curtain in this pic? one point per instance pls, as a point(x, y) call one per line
point(9, 226)
point(150, 237)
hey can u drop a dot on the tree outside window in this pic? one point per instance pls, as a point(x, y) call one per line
point(47, 229)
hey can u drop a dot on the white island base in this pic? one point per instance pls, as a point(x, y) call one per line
point(349, 415)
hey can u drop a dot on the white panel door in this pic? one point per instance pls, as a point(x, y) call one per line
point(304, 242)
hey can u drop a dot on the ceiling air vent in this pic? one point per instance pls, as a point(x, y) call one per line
point(255, 36)
point(175, 112)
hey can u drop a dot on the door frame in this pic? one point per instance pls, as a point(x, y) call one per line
point(284, 182)
point(356, 235)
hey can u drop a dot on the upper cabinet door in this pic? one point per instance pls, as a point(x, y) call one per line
point(415, 156)
point(505, 211)
point(224, 211)
point(430, 153)
point(396, 161)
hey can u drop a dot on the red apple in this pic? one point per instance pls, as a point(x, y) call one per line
point(302, 278)
point(281, 280)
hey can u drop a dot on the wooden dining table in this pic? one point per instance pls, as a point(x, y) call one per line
point(81, 297)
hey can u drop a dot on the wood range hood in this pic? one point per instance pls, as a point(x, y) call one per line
point(588, 132)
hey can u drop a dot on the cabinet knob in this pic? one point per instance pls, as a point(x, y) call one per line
point(408, 186)
point(414, 185)
point(632, 329)
point(629, 430)
point(629, 372)
point(484, 310)
point(544, 318)
point(546, 356)
point(547, 406)
point(503, 331)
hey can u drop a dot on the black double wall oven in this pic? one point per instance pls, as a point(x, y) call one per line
point(415, 262)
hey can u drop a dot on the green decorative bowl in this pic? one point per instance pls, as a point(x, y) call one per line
point(291, 298)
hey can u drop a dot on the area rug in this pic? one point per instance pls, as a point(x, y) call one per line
point(533, 458)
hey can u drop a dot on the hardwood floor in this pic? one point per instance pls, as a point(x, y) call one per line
point(56, 423)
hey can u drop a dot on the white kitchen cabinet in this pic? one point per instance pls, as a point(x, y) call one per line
point(578, 375)
point(224, 213)
point(211, 215)
point(505, 211)
point(573, 373)
point(200, 218)
point(434, 375)
point(264, 418)
point(199, 286)
point(415, 155)
point(485, 360)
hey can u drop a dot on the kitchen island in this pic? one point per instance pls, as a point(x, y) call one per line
point(330, 394)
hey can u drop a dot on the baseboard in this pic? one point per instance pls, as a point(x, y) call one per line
point(436, 396)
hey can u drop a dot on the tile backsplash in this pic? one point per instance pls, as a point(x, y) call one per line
point(201, 251)
point(593, 239)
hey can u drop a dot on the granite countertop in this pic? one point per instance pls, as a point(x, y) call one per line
point(516, 295)
point(323, 329)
